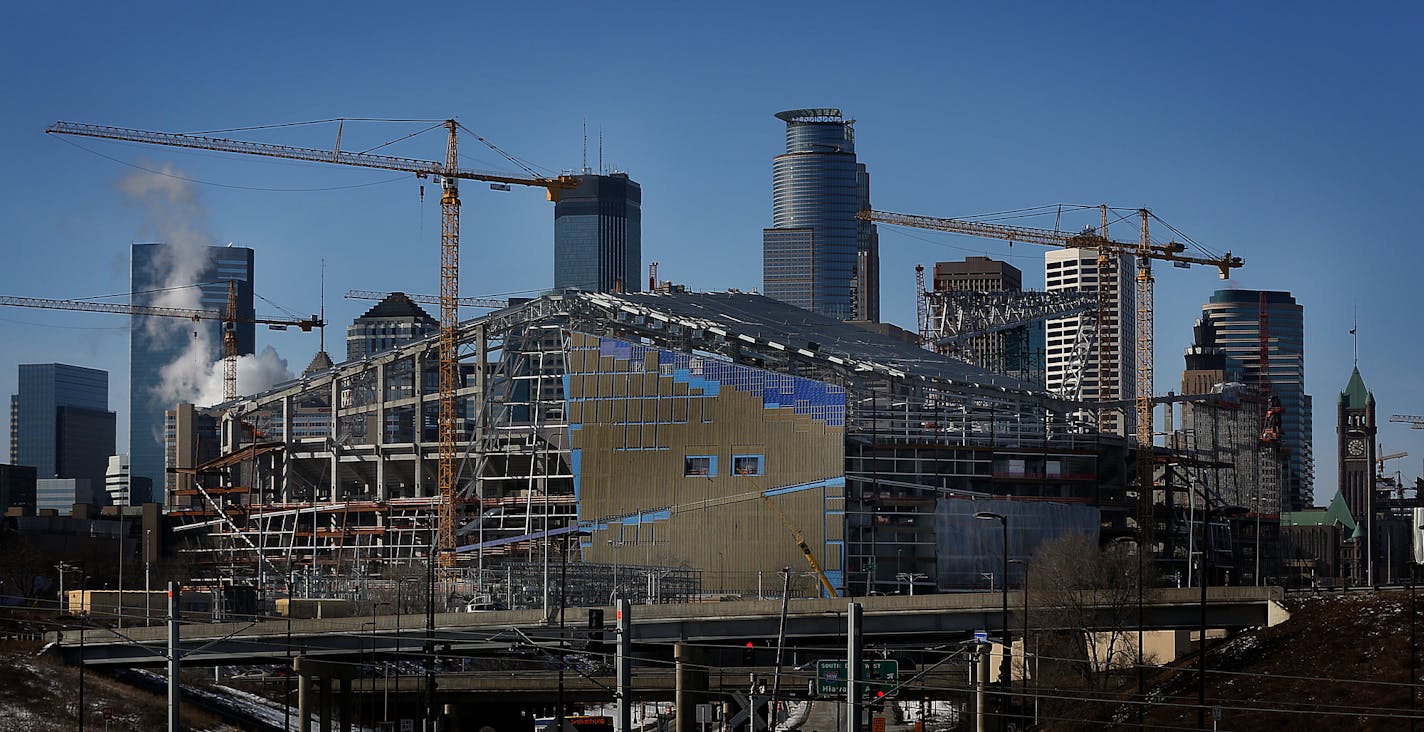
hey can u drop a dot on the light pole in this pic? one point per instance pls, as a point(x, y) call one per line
point(385, 665)
point(909, 579)
point(147, 561)
point(1006, 664)
point(1205, 577)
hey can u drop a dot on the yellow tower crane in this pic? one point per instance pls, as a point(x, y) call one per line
point(450, 173)
point(228, 316)
point(1145, 251)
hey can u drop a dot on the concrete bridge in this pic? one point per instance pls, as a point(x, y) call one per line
point(892, 621)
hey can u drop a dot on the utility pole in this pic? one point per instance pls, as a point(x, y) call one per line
point(174, 592)
point(780, 643)
point(854, 675)
point(623, 668)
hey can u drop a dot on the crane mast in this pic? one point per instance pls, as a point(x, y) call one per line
point(449, 172)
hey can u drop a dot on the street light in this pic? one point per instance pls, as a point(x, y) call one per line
point(1006, 665)
point(1205, 576)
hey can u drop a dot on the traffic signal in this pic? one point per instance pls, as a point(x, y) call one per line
point(877, 702)
point(596, 644)
point(749, 654)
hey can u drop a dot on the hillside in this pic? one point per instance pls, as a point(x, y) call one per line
point(1342, 661)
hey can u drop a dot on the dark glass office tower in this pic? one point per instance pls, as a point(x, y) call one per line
point(157, 342)
point(64, 428)
point(598, 235)
point(817, 255)
point(1237, 317)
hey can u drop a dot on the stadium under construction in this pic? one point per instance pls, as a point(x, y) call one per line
point(660, 446)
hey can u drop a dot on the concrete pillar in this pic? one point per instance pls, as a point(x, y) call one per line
point(379, 438)
point(334, 443)
point(324, 700)
point(304, 703)
point(692, 682)
point(418, 436)
point(285, 491)
point(345, 705)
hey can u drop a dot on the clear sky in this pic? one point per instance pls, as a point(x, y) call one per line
point(1285, 133)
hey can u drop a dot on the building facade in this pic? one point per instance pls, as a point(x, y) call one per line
point(1246, 320)
point(817, 255)
point(61, 423)
point(155, 343)
point(116, 481)
point(598, 235)
point(17, 487)
point(394, 321)
point(1019, 351)
point(1110, 372)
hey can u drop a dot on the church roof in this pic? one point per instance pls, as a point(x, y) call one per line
point(1355, 395)
point(397, 305)
point(1338, 512)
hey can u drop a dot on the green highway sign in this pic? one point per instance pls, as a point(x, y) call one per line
point(876, 675)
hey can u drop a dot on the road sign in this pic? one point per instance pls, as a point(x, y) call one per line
point(879, 675)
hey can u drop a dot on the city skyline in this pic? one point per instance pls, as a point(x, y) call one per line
point(1233, 146)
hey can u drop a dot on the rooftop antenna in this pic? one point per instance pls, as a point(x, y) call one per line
point(585, 146)
point(1354, 333)
point(601, 170)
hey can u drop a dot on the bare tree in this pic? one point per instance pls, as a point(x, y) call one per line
point(1085, 608)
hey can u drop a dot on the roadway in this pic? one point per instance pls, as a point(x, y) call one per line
point(893, 621)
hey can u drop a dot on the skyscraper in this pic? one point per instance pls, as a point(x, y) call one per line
point(62, 424)
point(598, 235)
point(1239, 319)
point(817, 255)
point(155, 343)
point(1016, 351)
point(1116, 378)
point(394, 321)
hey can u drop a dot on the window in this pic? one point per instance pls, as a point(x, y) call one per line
point(746, 465)
point(699, 466)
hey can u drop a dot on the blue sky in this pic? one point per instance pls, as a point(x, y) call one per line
point(1283, 133)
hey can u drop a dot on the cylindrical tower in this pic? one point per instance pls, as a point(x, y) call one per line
point(817, 188)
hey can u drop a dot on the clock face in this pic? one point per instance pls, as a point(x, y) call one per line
point(1356, 448)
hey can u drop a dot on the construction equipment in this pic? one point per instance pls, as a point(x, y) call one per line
point(1415, 422)
point(1146, 252)
point(450, 173)
point(800, 544)
point(491, 303)
point(228, 316)
point(1380, 461)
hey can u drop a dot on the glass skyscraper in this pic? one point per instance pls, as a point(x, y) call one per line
point(1237, 317)
point(157, 342)
point(598, 235)
point(63, 426)
point(817, 255)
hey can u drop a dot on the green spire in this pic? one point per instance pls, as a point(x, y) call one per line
point(1355, 395)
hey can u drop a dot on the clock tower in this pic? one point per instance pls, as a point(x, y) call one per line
point(1356, 430)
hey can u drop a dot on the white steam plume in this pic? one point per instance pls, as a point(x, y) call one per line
point(176, 216)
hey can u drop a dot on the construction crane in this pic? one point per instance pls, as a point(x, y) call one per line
point(1380, 461)
point(1146, 252)
point(227, 316)
point(800, 544)
point(492, 303)
point(1415, 422)
point(450, 173)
